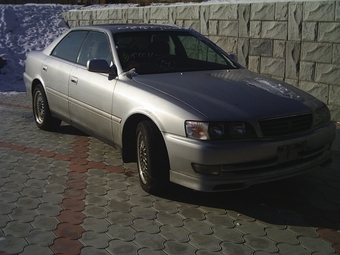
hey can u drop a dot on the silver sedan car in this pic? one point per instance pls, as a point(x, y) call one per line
point(179, 106)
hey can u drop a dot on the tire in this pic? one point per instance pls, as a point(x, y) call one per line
point(152, 158)
point(41, 111)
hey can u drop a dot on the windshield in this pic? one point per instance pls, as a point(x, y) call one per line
point(151, 52)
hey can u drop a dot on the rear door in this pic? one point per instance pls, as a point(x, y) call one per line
point(56, 71)
point(91, 94)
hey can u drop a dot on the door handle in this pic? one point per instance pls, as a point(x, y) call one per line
point(45, 68)
point(74, 80)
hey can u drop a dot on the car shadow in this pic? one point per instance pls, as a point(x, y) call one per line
point(311, 199)
point(69, 130)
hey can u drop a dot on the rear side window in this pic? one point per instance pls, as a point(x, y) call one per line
point(68, 47)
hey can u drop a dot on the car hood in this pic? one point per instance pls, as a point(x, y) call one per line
point(231, 94)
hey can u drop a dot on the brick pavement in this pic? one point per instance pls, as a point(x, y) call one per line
point(67, 193)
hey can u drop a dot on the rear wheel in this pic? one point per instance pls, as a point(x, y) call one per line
point(41, 111)
point(152, 158)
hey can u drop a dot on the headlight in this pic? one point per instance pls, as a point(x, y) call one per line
point(321, 116)
point(197, 130)
point(219, 130)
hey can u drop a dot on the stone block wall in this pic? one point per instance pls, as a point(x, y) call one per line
point(298, 42)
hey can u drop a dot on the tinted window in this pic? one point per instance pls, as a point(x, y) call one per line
point(96, 46)
point(68, 47)
point(168, 51)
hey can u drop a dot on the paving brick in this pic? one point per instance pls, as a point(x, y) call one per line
point(69, 230)
point(17, 229)
point(51, 198)
point(331, 235)
point(122, 247)
point(118, 195)
point(192, 213)
point(171, 233)
point(117, 185)
point(144, 213)
point(148, 226)
point(118, 206)
point(96, 200)
point(316, 244)
point(251, 228)
point(93, 250)
point(206, 242)
point(228, 234)
point(120, 218)
point(71, 193)
point(94, 224)
point(195, 226)
point(13, 187)
point(71, 217)
point(96, 189)
point(144, 201)
point(66, 246)
point(260, 243)
point(172, 247)
point(40, 237)
point(13, 244)
point(36, 249)
point(45, 222)
point(288, 249)
point(221, 220)
point(229, 248)
point(28, 203)
point(96, 211)
point(282, 236)
point(73, 205)
point(147, 240)
point(4, 219)
point(8, 197)
point(23, 215)
point(124, 233)
point(93, 239)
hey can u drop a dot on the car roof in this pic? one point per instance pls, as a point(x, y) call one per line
point(122, 28)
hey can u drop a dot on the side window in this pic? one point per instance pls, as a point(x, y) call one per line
point(68, 47)
point(96, 46)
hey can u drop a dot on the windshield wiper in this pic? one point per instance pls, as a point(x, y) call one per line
point(131, 73)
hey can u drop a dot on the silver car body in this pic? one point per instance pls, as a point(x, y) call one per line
point(105, 107)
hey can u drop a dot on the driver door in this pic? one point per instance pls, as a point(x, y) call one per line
point(91, 94)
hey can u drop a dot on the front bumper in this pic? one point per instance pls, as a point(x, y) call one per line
point(246, 162)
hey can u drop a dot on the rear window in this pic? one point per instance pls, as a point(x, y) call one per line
point(168, 51)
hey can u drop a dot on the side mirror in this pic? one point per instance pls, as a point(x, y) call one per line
point(101, 66)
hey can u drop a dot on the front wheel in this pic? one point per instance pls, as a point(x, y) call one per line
point(41, 111)
point(152, 158)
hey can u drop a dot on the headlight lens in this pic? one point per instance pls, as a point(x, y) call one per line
point(219, 130)
point(197, 130)
point(322, 116)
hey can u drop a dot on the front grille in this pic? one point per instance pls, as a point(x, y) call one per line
point(286, 125)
